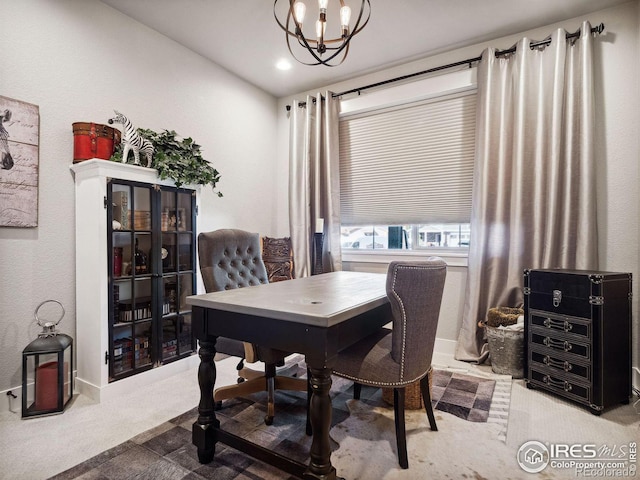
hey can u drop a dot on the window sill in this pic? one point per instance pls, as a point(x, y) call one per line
point(452, 258)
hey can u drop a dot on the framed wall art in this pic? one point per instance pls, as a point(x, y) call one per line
point(19, 158)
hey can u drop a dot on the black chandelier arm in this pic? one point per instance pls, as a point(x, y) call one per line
point(302, 41)
point(308, 47)
point(319, 60)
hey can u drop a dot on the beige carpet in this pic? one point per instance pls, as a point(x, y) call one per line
point(39, 448)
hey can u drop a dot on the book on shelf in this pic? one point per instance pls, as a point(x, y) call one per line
point(142, 220)
point(184, 339)
point(170, 348)
point(121, 346)
point(121, 209)
point(127, 312)
point(166, 308)
point(142, 343)
point(173, 219)
point(127, 349)
point(122, 355)
point(116, 303)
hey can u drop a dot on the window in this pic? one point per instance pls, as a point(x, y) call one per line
point(411, 237)
point(406, 174)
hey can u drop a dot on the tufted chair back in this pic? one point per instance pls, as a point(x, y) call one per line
point(230, 258)
point(415, 293)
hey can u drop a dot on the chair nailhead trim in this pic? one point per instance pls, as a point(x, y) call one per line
point(364, 381)
point(404, 315)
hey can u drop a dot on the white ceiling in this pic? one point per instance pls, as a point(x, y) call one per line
point(243, 36)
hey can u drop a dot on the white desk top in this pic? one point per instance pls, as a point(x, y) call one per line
point(322, 300)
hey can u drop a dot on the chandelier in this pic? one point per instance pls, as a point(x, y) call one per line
point(324, 51)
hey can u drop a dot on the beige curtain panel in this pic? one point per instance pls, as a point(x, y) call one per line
point(314, 181)
point(534, 191)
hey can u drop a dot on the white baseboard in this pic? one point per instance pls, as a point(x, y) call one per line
point(445, 347)
point(124, 386)
point(111, 390)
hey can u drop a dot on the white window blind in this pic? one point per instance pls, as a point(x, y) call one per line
point(410, 163)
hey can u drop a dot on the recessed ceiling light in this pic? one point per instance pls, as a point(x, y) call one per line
point(283, 64)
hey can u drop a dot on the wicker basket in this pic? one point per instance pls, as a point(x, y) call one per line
point(497, 316)
point(506, 348)
point(412, 394)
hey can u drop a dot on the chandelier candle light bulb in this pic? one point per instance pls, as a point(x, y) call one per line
point(345, 17)
point(299, 10)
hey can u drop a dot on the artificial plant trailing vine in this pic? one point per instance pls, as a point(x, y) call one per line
point(178, 159)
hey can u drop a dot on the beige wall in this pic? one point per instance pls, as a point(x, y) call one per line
point(78, 60)
point(617, 147)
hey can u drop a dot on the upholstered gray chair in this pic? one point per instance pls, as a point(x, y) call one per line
point(231, 259)
point(401, 356)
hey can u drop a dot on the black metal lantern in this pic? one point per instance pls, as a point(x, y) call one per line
point(47, 370)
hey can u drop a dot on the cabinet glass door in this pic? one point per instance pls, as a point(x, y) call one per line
point(178, 274)
point(131, 279)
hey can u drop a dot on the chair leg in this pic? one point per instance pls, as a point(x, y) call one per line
point(270, 373)
point(357, 389)
point(401, 434)
point(426, 398)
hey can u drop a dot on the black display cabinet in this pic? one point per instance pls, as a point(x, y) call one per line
point(151, 252)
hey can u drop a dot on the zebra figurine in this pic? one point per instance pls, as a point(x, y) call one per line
point(132, 140)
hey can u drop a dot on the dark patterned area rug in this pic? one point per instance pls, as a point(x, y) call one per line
point(166, 452)
point(464, 396)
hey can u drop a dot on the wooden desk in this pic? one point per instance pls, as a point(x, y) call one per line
point(317, 316)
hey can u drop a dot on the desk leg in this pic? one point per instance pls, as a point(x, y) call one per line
point(203, 431)
point(320, 415)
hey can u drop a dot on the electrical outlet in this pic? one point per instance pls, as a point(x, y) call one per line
point(10, 401)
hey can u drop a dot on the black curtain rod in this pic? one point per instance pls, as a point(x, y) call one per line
point(470, 61)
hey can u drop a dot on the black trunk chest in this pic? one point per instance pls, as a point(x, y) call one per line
point(578, 335)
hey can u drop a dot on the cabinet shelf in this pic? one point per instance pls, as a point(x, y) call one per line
point(181, 313)
point(133, 322)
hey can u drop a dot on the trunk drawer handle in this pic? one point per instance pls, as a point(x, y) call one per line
point(566, 386)
point(566, 366)
point(549, 342)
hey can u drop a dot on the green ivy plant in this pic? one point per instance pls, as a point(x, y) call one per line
point(178, 159)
